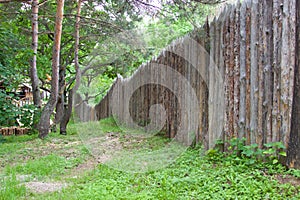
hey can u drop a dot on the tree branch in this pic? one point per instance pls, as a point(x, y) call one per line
point(95, 20)
point(21, 1)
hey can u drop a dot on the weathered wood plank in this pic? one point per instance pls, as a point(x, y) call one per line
point(293, 152)
point(242, 105)
point(268, 76)
point(285, 74)
point(236, 50)
point(248, 68)
point(254, 71)
point(260, 76)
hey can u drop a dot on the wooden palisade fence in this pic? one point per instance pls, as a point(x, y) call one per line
point(253, 45)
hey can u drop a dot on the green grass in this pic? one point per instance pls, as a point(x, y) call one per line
point(193, 175)
point(47, 166)
point(190, 177)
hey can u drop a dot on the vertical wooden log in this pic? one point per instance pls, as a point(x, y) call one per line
point(248, 69)
point(165, 101)
point(226, 39)
point(203, 99)
point(277, 27)
point(222, 19)
point(217, 43)
point(11, 131)
point(180, 67)
point(4, 131)
point(285, 74)
point(242, 107)
point(231, 73)
point(211, 111)
point(221, 63)
point(237, 39)
point(188, 77)
point(293, 152)
point(292, 53)
point(260, 75)
point(267, 64)
point(205, 111)
point(172, 118)
point(254, 71)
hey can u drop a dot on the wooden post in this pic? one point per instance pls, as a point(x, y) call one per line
point(254, 72)
point(242, 108)
point(293, 152)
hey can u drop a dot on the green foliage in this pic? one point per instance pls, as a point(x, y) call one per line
point(9, 113)
point(10, 188)
point(109, 125)
point(252, 154)
point(274, 151)
point(190, 12)
point(190, 177)
point(29, 115)
point(123, 52)
point(294, 172)
point(14, 56)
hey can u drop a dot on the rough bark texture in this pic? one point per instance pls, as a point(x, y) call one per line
point(33, 68)
point(237, 84)
point(242, 111)
point(254, 71)
point(248, 69)
point(259, 136)
point(293, 153)
point(60, 106)
point(285, 74)
point(277, 27)
point(67, 114)
point(267, 68)
point(44, 123)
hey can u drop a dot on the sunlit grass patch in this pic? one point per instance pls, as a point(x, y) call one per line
point(10, 187)
point(48, 166)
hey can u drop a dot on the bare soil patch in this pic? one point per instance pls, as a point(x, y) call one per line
point(283, 179)
point(42, 187)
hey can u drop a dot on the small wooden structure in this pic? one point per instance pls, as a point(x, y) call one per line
point(13, 131)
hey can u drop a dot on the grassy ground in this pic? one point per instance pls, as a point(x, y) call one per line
point(64, 167)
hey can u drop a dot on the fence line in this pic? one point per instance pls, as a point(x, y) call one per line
point(253, 45)
point(83, 111)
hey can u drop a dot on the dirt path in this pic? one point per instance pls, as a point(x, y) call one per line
point(104, 147)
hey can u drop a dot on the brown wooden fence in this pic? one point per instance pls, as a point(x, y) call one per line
point(253, 46)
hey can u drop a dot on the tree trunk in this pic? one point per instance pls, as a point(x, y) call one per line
point(68, 111)
point(60, 106)
point(67, 114)
point(44, 123)
point(33, 69)
point(293, 152)
point(77, 36)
